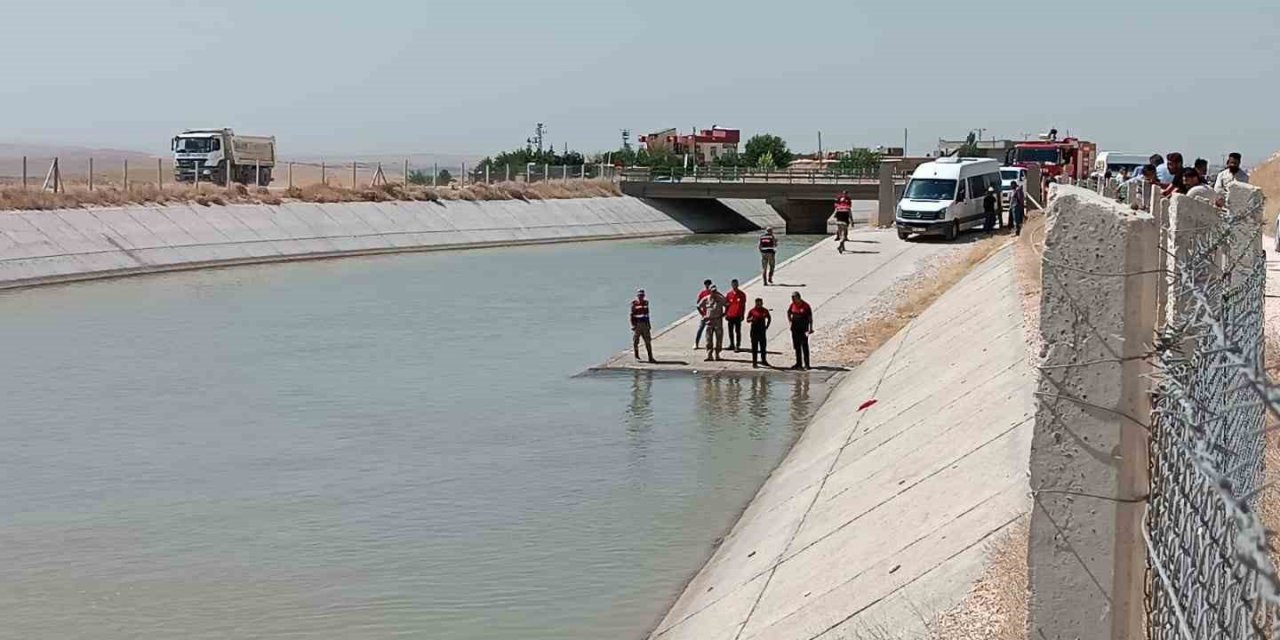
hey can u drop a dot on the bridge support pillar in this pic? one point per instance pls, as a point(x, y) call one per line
point(803, 216)
point(886, 212)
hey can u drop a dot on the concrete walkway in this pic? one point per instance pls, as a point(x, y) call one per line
point(879, 517)
point(835, 285)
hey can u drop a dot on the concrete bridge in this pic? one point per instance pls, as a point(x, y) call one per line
point(803, 199)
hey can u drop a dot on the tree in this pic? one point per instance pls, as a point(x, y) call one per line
point(763, 143)
point(417, 176)
point(857, 161)
point(970, 147)
point(766, 161)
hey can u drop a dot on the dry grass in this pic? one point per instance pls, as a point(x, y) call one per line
point(16, 198)
point(865, 336)
point(996, 607)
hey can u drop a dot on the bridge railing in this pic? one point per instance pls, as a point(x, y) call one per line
point(739, 174)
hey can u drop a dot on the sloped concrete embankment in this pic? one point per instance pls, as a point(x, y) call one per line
point(43, 247)
point(879, 517)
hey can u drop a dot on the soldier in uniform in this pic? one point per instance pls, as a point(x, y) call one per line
point(640, 327)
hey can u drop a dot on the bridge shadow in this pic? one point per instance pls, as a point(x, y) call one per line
point(702, 215)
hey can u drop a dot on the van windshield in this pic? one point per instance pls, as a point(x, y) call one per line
point(1008, 174)
point(930, 189)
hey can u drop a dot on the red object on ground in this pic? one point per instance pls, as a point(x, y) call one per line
point(866, 404)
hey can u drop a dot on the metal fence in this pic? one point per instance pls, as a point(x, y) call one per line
point(1210, 572)
point(739, 174)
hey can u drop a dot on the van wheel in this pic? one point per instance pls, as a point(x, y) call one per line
point(953, 231)
point(903, 235)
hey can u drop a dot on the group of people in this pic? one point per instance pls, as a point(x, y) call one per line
point(1170, 175)
point(993, 211)
point(720, 311)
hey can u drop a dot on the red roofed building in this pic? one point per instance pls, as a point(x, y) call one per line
point(704, 147)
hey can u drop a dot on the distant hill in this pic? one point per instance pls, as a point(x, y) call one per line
point(72, 160)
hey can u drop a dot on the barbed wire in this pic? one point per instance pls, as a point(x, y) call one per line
point(1211, 573)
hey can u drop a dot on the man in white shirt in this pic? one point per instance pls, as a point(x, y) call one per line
point(1196, 188)
point(1233, 173)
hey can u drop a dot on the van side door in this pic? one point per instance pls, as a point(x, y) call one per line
point(977, 191)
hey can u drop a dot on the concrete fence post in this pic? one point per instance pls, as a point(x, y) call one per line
point(486, 174)
point(290, 175)
point(546, 171)
point(126, 175)
point(1086, 556)
point(1035, 186)
point(159, 173)
point(508, 173)
point(885, 214)
point(324, 174)
point(353, 174)
point(91, 174)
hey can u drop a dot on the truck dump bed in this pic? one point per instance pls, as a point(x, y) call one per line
point(246, 150)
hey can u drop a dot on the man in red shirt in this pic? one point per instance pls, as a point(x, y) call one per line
point(768, 245)
point(735, 311)
point(759, 319)
point(844, 217)
point(800, 314)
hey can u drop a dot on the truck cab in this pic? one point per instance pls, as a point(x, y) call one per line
point(197, 153)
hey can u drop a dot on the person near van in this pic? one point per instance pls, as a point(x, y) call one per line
point(701, 306)
point(735, 311)
point(759, 319)
point(989, 211)
point(800, 315)
point(1017, 207)
point(641, 329)
point(1233, 173)
point(768, 255)
point(715, 306)
point(844, 216)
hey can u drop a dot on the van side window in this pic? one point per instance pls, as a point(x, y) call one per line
point(978, 186)
point(960, 191)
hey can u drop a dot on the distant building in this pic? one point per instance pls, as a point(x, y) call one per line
point(996, 149)
point(703, 147)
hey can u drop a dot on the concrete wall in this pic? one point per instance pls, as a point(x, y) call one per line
point(41, 247)
point(879, 518)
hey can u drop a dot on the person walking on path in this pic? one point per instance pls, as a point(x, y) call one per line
point(735, 311)
point(844, 217)
point(700, 305)
point(989, 210)
point(641, 329)
point(715, 306)
point(768, 255)
point(800, 315)
point(1017, 207)
point(1233, 173)
point(759, 319)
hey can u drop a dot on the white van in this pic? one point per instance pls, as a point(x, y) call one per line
point(1010, 176)
point(945, 196)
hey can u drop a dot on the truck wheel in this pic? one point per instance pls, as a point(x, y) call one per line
point(266, 177)
point(953, 231)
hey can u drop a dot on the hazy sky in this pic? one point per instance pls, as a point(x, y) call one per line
point(389, 76)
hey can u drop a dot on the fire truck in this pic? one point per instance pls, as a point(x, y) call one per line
point(1069, 157)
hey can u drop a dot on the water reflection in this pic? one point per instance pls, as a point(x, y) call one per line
point(801, 407)
point(721, 401)
point(640, 411)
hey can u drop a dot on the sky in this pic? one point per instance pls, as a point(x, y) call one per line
point(474, 77)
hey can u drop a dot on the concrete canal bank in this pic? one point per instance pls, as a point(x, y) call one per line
point(44, 247)
point(879, 517)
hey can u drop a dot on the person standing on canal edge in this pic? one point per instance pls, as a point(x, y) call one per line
point(759, 319)
point(701, 306)
point(641, 329)
point(735, 310)
point(715, 305)
point(768, 255)
point(800, 315)
point(844, 217)
point(989, 210)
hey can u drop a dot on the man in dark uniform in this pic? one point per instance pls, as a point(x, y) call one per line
point(640, 327)
point(989, 210)
point(759, 319)
point(800, 314)
point(768, 255)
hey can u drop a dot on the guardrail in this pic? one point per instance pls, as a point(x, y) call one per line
point(736, 174)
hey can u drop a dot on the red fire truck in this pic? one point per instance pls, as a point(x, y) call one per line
point(1069, 157)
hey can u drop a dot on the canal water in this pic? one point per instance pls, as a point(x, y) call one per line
point(369, 448)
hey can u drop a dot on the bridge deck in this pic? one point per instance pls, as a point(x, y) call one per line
point(835, 285)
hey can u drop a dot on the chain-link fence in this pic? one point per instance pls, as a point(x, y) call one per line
point(1210, 573)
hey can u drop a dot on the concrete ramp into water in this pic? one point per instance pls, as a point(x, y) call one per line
point(878, 519)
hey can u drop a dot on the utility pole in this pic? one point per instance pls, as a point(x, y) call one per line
point(980, 132)
point(904, 142)
point(820, 156)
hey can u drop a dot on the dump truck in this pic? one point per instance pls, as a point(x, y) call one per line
point(211, 155)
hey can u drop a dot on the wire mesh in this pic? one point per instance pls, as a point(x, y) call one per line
point(1210, 573)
